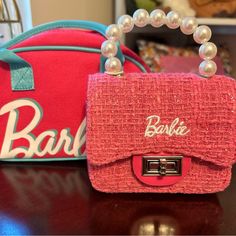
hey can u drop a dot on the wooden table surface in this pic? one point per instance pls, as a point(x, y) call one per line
point(58, 199)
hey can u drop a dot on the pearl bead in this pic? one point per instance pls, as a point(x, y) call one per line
point(141, 17)
point(207, 68)
point(126, 23)
point(173, 20)
point(109, 48)
point(202, 34)
point(189, 25)
point(157, 18)
point(208, 51)
point(113, 32)
point(113, 66)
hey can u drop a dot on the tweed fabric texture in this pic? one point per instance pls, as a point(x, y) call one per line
point(117, 177)
point(117, 111)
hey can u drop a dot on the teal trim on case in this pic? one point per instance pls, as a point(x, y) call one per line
point(21, 71)
point(136, 63)
point(80, 24)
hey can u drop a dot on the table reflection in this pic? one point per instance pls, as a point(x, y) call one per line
point(58, 199)
point(157, 214)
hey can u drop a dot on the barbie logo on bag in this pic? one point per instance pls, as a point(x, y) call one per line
point(49, 142)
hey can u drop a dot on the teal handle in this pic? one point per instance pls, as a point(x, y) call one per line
point(22, 72)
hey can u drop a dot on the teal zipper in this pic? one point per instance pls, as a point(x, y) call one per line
point(73, 48)
point(56, 48)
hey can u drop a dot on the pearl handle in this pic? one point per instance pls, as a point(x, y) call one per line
point(188, 25)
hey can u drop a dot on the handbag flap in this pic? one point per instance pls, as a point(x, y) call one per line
point(138, 113)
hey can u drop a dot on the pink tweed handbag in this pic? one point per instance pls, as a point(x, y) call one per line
point(165, 133)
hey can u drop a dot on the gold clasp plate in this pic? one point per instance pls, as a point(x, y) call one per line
point(162, 165)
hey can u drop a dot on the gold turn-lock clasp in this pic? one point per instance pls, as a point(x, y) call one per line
point(162, 165)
